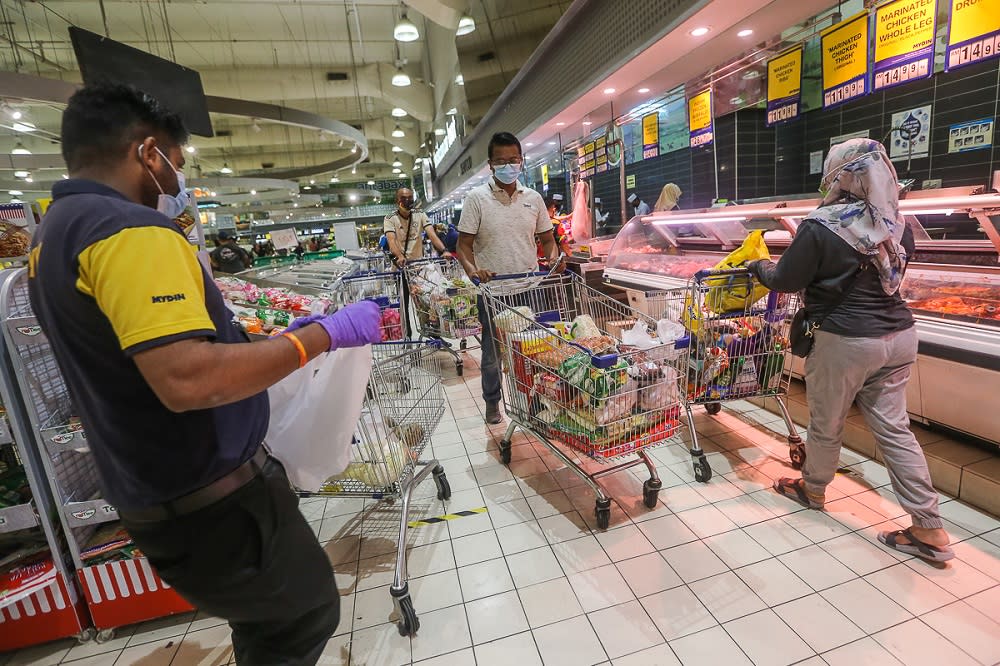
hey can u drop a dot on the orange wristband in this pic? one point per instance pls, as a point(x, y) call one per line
point(299, 347)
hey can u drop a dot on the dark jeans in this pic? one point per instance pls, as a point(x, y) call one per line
point(489, 365)
point(253, 560)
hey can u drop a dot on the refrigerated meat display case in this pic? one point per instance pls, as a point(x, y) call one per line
point(952, 285)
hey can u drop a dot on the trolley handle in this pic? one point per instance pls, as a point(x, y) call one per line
point(368, 274)
point(719, 272)
point(513, 276)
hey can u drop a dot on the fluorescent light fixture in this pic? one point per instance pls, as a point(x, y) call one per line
point(466, 24)
point(19, 149)
point(397, 171)
point(459, 80)
point(225, 169)
point(398, 112)
point(398, 132)
point(560, 124)
point(744, 33)
point(312, 182)
point(528, 145)
point(190, 150)
point(400, 79)
point(29, 179)
point(698, 32)
point(15, 114)
point(253, 192)
point(334, 180)
point(405, 30)
point(609, 91)
point(23, 127)
point(397, 149)
point(691, 220)
point(451, 112)
point(21, 174)
point(15, 193)
point(371, 182)
point(587, 123)
point(643, 91)
point(931, 211)
point(552, 143)
point(397, 163)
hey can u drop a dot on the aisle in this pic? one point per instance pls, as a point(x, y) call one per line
point(724, 573)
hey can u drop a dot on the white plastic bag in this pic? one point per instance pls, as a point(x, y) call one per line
point(314, 414)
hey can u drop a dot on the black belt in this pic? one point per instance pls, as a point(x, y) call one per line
point(203, 497)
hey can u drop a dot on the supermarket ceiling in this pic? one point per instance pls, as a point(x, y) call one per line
point(335, 58)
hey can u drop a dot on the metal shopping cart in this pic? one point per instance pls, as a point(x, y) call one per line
point(403, 406)
point(591, 394)
point(384, 288)
point(444, 301)
point(738, 347)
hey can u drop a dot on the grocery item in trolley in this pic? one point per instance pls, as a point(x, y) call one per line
point(729, 290)
point(444, 299)
point(384, 289)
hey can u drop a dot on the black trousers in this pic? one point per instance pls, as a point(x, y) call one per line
point(253, 560)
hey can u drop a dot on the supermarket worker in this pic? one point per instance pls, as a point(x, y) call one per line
point(140, 333)
point(501, 221)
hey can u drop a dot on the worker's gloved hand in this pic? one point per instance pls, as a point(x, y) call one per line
point(356, 325)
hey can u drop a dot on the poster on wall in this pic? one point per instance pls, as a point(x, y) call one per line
point(845, 60)
point(973, 32)
point(674, 133)
point(974, 135)
point(650, 135)
point(784, 86)
point(904, 42)
point(911, 134)
point(700, 119)
point(815, 162)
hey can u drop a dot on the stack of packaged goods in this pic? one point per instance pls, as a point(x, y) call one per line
point(445, 301)
point(267, 311)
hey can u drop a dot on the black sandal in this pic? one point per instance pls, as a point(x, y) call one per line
point(794, 489)
point(916, 546)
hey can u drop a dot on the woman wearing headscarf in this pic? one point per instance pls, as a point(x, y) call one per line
point(848, 257)
point(669, 196)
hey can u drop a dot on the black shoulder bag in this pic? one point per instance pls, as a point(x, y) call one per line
point(800, 333)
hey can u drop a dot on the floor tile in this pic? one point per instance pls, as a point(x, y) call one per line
point(214, 646)
point(659, 655)
point(441, 631)
point(744, 510)
point(549, 602)
point(706, 521)
point(864, 652)
point(981, 554)
point(436, 591)
point(550, 503)
point(372, 608)
point(773, 582)
point(816, 526)
point(711, 646)
point(511, 513)
point(851, 513)
point(580, 554)
point(909, 589)
point(117, 644)
point(677, 612)
point(736, 549)
point(865, 606)
point(767, 640)
point(485, 579)
point(47, 654)
point(520, 537)
point(858, 553)
point(496, 617)
point(667, 532)
point(777, 536)
point(986, 602)
point(694, 561)
point(600, 588)
point(534, 566)
point(379, 646)
point(563, 527)
point(957, 577)
point(519, 649)
point(976, 634)
point(624, 629)
point(572, 642)
point(165, 627)
point(727, 597)
point(648, 574)
point(476, 548)
point(337, 651)
point(968, 518)
point(916, 644)
point(464, 657)
point(818, 623)
point(623, 543)
point(817, 567)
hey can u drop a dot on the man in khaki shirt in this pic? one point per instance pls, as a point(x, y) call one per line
point(404, 229)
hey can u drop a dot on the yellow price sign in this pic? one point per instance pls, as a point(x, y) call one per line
point(650, 135)
point(904, 41)
point(784, 86)
point(973, 32)
point(700, 119)
point(845, 60)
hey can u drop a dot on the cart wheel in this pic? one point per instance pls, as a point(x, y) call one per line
point(441, 481)
point(104, 635)
point(797, 454)
point(459, 368)
point(702, 470)
point(650, 491)
point(505, 452)
point(603, 514)
point(408, 624)
point(713, 408)
point(463, 344)
point(86, 635)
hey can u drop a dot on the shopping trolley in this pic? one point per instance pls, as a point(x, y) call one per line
point(591, 393)
point(403, 405)
point(444, 301)
point(382, 287)
point(736, 352)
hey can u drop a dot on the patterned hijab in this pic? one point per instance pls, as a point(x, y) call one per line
point(861, 205)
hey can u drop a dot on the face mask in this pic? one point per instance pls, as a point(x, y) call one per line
point(508, 173)
point(406, 205)
point(171, 205)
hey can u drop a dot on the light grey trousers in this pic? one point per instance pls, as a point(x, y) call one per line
point(872, 372)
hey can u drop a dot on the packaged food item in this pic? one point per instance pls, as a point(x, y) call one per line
point(563, 328)
point(661, 393)
point(716, 360)
point(551, 387)
point(618, 328)
point(392, 328)
point(584, 327)
point(514, 320)
point(533, 341)
point(554, 356)
point(598, 383)
point(597, 345)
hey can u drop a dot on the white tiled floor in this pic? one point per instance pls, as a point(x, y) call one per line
point(724, 573)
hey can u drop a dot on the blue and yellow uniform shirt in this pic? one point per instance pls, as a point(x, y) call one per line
point(109, 278)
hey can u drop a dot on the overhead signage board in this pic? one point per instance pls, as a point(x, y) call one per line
point(784, 86)
point(904, 42)
point(650, 135)
point(973, 32)
point(700, 119)
point(447, 141)
point(845, 60)
point(284, 239)
point(601, 153)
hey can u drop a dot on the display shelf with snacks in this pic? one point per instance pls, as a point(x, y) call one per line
point(116, 583)
point(40, 598)
point(952, 284)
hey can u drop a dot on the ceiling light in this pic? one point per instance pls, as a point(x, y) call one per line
point(643, 91)
point(312, 182)
point(213, 193)
point(371, 182)
point(334, 180)
point(16, 201)
point(529, 144)
point(19, 149)
point(354, 149)
point(21, 174)
point(29, 179)
point(397, 149)
point(295, 205)
point(307, 187)
point(560, 124)
point(397, 171)
point(398, 113)
point(587, 123)
point(552, 143)
point(466, 24)
point(405, 30)
point(459, 80)
point(744, 33)
point(400, 79)
point(698, 32)
point(398, 133)
point(15, 114)
point(352, 197)
point(354, 170)
point(190, 150)
point(16, 193)
point(439, 132)
point(609, 91)
point(225, 169)
point(452, 112)
point(253, 192)
point(23, 127)
point(397, 163)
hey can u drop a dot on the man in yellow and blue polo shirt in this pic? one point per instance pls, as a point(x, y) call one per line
point(171, 393)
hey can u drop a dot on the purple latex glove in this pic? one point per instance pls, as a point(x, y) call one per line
point(356, 325)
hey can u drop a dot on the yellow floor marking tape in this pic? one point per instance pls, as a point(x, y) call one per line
point(447, 516)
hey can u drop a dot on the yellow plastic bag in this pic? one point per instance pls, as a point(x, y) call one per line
point(735, 293)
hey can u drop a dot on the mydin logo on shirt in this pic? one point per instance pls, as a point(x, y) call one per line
point(169, 298)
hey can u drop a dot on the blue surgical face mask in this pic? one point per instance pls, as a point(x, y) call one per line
point(508, 173)
point(171, 205)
